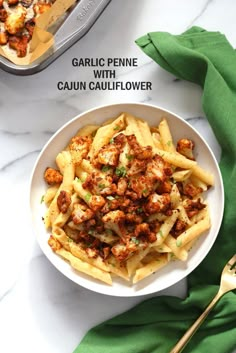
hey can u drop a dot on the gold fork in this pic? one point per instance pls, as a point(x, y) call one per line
point(227, 283)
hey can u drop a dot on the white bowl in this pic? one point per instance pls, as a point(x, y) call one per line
point(174, 271)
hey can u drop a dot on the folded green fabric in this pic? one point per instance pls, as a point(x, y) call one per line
point(156, 324)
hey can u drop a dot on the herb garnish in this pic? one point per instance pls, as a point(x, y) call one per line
point(116, 128)
point(135, 240)
point(129, 156)
point(178, 242)
point(145, 191)
point(139, 210)
point(120, 172)
point(87, 197)
point(105, 168)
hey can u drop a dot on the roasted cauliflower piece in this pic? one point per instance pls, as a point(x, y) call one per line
point(100, 184)
point(137, 166)
point(192, 207)
point(63, 201)
point(114, 220)
point(158, 168)
point(29, 25)
point(40, 8)
point(96, 202)
point(3, 15)
point(19, 44)
point(157, 203)
point(122, 251)
point(179, 227)
point(108, 155)
point(12, 2)
point(52, 176)
point(191, 190)
point(121, 186)
point(16, 20)
point(81, 213)
point(79, 147)
point(143, 230)
point(185, 147)
point(3, 38)
point(137, 150)
point(54, 243)
point(142, 185)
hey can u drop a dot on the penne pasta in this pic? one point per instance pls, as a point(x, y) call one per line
point(203, 175)
point(150, 268)
point(85, 267)
point(127, 202)
point(176, 159)
point(166, 137)
point(193, 232)
point(165, 228)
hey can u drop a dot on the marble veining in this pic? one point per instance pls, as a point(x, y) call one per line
point(202, 11)
point(40, 309)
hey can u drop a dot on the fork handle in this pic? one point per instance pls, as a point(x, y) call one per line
point(190, 332)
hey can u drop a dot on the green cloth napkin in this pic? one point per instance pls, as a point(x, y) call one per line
point(156, 324)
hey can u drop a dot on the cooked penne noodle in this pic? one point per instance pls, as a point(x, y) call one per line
point(62, 218)
point(66, 185)
point(183, 215)
point(85, 267)
point(60, 235)
point(50, 194)
point(179, 252)
point(80, 253)
point(166, 137)
point(166, 228)
point(62, 159)
point(105, 133)
point(162, 248)
point(83, 193)
point(198, 183)
point(118, 269)
point(133, 262)
point(193, 232)
point(145, 133)
point(80, 173)
point(175, 197)
point(203, 175)
point(132, 128)
point(176, 159)
point(156, 140)
point(150, 268)
point(182, 175)
point(87, 130)
point(204, 213)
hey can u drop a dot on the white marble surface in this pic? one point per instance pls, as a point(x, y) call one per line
point(40, 309)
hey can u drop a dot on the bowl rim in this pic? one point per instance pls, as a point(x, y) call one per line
point(71, 275)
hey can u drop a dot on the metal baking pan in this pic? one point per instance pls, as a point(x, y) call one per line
point(78, 21)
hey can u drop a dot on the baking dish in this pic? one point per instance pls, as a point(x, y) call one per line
point(77, 22)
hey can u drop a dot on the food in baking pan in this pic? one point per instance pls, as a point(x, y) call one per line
point(17, 22)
